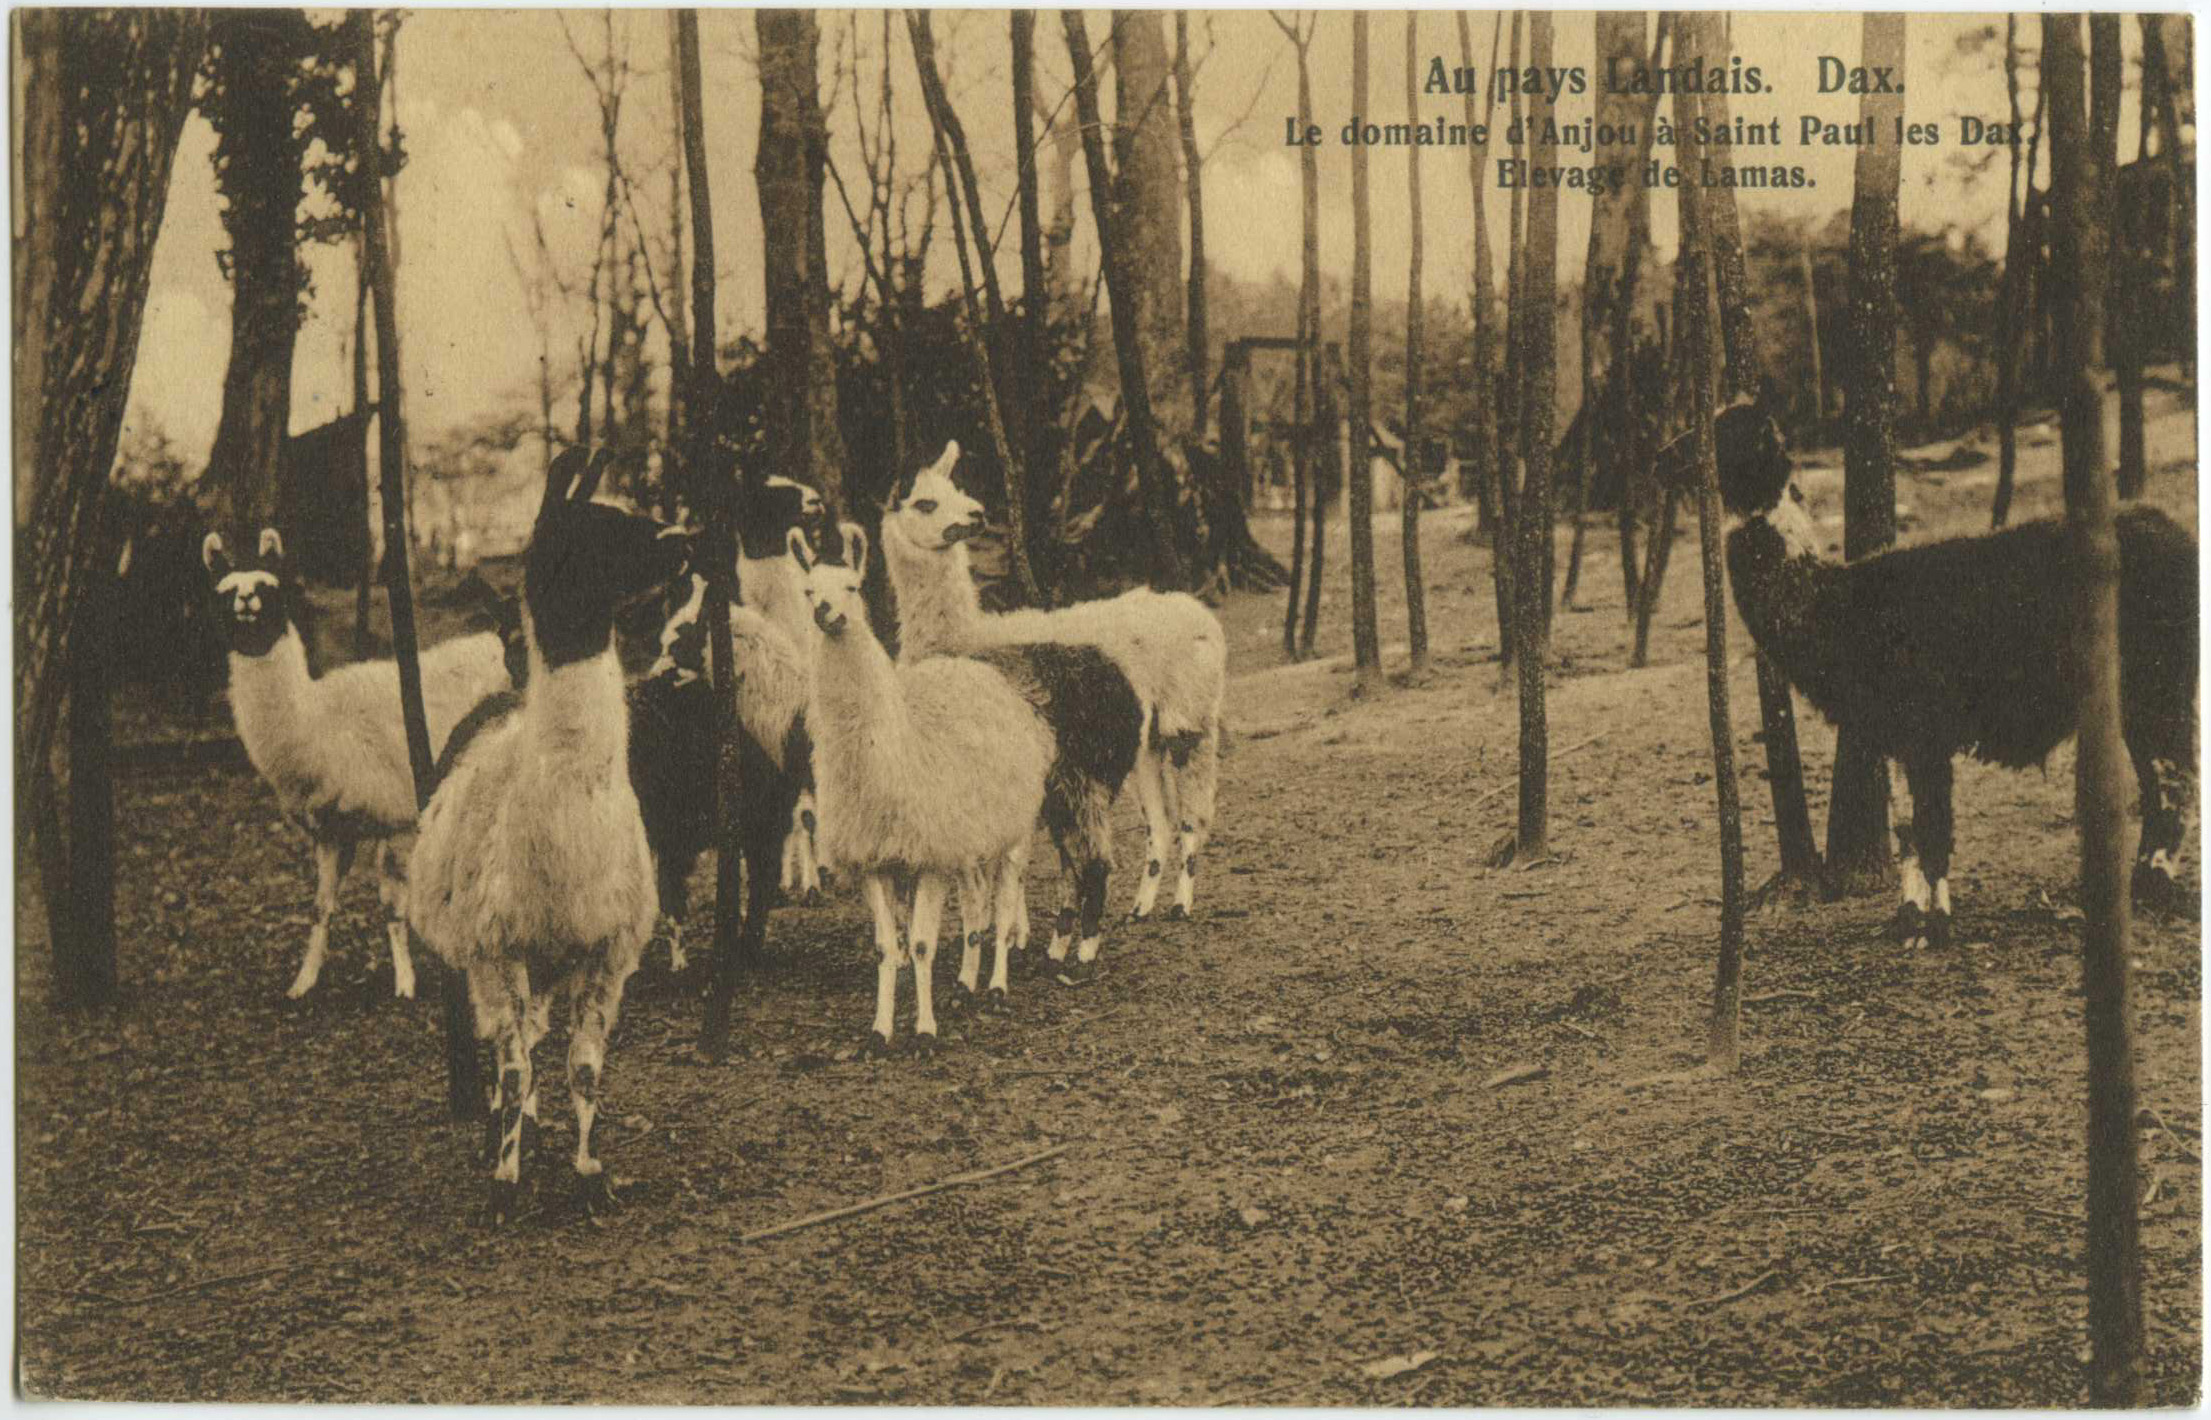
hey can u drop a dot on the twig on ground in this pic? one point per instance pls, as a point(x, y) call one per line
point(850, 1209)
point(1484, 797)
point(1740, 1292)
point(1779, 995)
point(2167, 1130)
point(189, 1287)
point(1820, 1287)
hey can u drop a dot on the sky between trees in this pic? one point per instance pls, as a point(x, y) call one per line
point(499, 119)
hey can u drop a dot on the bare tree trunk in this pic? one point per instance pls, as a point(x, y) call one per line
point(1486, 463)
point(2080, 234)
point(1608, 291)
point(1539, 334)
point(1800, 861)
point(1197, 336)
point(1365, 639)
point(1858, 857)
point(83, 926)
point(2016, 263)
point(101, 98)
point(363, 592)
point(951, 142)
point(1512, 394)
point(1147, 203)
point(1143, 433)
point(1416, 603)
point(1328, 479)
point(2130, 273)
point(801, 414)
point(712, 493)
point(1036, 297)
point(1811, 320)
point(463, 1080)
point(1691, 308)
point(673, 453)
point(1308, 350)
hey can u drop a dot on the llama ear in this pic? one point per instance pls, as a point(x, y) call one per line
point(855, 546)
point(212, 556)
point(272, 544)
point(947, 460)
point(560, 475)
point(795, 540)
point(587, 482)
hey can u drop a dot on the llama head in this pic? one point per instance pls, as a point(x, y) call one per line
point(831, 579)
point(587, 560)
point(768, 508)
point(250, 598)
point(928, 512)
point(1753, 459)
point(682, 656)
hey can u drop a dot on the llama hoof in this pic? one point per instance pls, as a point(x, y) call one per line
point(812, 898)
point(875, 1047)
point(922, 1045)
point(1076, 972)
point(997, 1002)
point(2154, 887)
point(595, 1194)
point(1178, 913)
point(504, 1203)
point(1938, 929)
point(1910, 926)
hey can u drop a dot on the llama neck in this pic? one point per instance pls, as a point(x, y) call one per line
point(859, 706)
point(938, 609)
point(266, 690)
point(576, 710)
point(1784, 595)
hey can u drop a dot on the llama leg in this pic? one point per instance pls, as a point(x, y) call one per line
point(501, 995)
point(1093, 846)
point(1151, 794)
point(1064, 917)
point(672, 872)
point(332, 860)
point(1011, 909)
point(1196, 781)
point(592, 1013)
point(2167, 794)
point(1924, 918)
point(392, 890)
point(929, 893)
point(975, 910)
point(890, 953)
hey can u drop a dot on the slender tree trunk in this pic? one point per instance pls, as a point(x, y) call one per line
point(2130, 274)
point(1036, 298)
point(1416, 603)
point(1309, 401)
point(1512, 395)
point(2016, 262)
point(712, 492)
point(463, 1080)
point(1365, 638)
point(951, 141)
point(1800, 861)
point(1692, 313)
point(1328, 480)
point(364, 590)
point(1487, 465)
point(1147, 206)
point(1300, 457)
point(1196, 334)
point(1539, 323)
point(1858, 855)
point(673, 453)
point(1811, 320)
point(84, 924)
point(1153, 474)
point(2080, 234)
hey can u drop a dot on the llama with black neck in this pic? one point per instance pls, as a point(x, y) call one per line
point(1965, 646)
point(333, 746)
point(531, 871)
point(767, 509)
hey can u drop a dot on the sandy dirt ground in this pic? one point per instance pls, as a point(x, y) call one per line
point(1289, 1177)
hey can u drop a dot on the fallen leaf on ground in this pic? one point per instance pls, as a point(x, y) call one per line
point(1392, 1366)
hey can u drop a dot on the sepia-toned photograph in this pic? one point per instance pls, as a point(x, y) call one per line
point(1072, 708)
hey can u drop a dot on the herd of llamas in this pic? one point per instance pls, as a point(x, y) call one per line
point(572, 804)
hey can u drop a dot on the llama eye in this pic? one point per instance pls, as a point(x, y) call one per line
point(926, 505)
